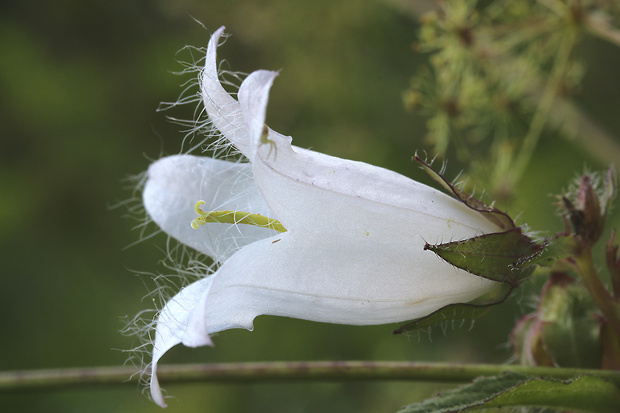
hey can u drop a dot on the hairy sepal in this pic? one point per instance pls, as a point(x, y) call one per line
point(460, 312)
point(498, 256)
point(491, 213)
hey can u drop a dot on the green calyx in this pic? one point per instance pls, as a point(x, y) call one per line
point(501, 256)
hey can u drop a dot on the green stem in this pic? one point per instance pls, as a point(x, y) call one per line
point(604, 301)
point(283, 371)
point(541, 116)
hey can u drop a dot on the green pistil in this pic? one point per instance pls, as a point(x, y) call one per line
point(235, 217)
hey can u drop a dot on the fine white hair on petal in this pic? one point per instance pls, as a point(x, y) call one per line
point(175, 326)
point(223, 110)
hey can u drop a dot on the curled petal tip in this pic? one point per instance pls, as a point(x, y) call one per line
point(253, 99)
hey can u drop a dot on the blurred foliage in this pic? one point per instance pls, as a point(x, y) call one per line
point(501, 75)
point(79, 86)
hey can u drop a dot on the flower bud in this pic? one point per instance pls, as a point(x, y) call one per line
point(586, 205)
point(565, 329)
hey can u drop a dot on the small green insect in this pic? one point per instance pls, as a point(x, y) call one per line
point(264, 139)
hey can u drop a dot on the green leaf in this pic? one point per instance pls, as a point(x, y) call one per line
point(583, 393)
point(491, 256)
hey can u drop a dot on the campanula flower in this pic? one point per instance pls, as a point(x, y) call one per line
point(298, 233)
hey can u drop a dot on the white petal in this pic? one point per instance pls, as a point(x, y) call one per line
point(318, 193)
point(253, 98)
point(176, 183)
point(174, 326)
point(333, 280)
point(223, 109)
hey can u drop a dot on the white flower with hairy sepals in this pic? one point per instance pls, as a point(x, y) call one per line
point(353, 249)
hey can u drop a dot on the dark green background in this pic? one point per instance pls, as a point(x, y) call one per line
point(80, 82)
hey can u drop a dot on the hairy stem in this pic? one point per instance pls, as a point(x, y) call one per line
point(604, 301)
point(284, 371)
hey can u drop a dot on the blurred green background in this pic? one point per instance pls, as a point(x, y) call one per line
point(80, 82)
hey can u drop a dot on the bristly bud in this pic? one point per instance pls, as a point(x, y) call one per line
point(565, 329)
point(587, 204)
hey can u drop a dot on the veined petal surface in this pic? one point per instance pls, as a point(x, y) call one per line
point(333, 279)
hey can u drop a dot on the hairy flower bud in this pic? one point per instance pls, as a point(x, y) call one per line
point(586, 205)
point(565, 329)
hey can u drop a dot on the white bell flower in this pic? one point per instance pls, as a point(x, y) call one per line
point(348, 247)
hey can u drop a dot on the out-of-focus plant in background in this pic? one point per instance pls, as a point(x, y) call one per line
point(503, 85)
point(501, 77)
